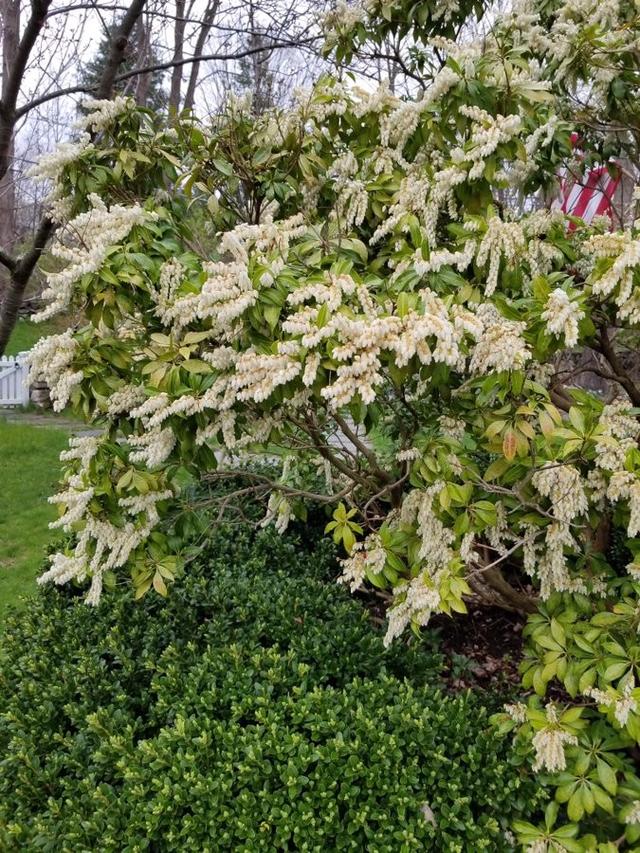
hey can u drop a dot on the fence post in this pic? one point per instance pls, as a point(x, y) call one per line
point(14, 380)
point(21, 358)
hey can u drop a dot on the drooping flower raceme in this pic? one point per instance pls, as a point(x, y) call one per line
point(83, 245)
point(549, 743)
point(562, 316)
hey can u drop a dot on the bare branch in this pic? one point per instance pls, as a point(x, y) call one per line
point(205, 29)
point(20, 275)
point(178, 55)
point(22, 269)
point(366, 451)
point(7, 261)
point(271, 485)
point(13, 74)
point(608, 351)
point(117, 49)
point(160, 66)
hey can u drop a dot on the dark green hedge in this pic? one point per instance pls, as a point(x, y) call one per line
point(255, 710)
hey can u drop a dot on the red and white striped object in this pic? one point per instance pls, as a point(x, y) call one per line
point(588, 195)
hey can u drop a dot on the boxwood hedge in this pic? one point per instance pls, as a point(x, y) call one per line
point(254, 710)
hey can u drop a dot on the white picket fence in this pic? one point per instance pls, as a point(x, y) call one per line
point(14, 385)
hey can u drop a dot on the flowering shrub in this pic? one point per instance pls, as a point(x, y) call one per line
point(256, 710)
point(364, 266)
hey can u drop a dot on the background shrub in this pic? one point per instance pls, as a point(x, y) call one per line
point(255, 709)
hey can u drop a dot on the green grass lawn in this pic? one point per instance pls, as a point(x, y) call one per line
point(29, 466)
point(26, 333)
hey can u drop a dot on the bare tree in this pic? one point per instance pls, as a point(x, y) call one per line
point(54, 38)
point(201, 40)
point(20, 268)
point(178, 56)
point(10, 42)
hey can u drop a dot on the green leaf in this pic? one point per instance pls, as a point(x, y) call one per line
point(575, 807)
point(616, 670)
point(272, 315)
point(577, 419)
point(607, 776)
point(348, 538)
point(195, 365)
point(159, 585)
point(261, 155)
point(558, 632)
point(496, 469)
point(223, 166)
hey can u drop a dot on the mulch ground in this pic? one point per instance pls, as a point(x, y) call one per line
point(482, 648)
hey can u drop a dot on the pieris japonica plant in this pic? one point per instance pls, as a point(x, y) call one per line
point(372, 288)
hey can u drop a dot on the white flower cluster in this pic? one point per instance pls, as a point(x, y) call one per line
point(124, 400)
point(559, 39)
point(518, 243)
point(445, 10)
point(78, 493)
point(617, 433)
point(225, 296)
point(488, 132)
point(549, 744)
point(633, 815)
point(228, 291)
point(499, 534)
point(83, 448)
point(440, 258)
point(83, 246)
point(623, 704)
point(542, 254)
point(352, 203)
point(328, 98)
point(257, 376)
point(465, 53)
point(563, 486)
point(262, 240)
point(562, 316)
point(623, 250)
point(343, 18)
point(51, 361)
point(397, 126)
point(102, 546)
point(451, 427)
point(468, 555)
point(364, 337)
point(102, 113)
point(50, 166)
point(169, 280)
point(501, 345)
point(415, 601)
point(542, 136)
point(502, 239)
point(279, 512)
point(75, 498)
point(517, 711)
point(424, 191)
point(408, 455)
point(368, 556)
point(436, 539)
point(153, 447)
